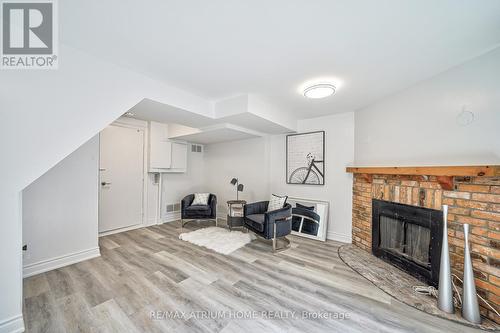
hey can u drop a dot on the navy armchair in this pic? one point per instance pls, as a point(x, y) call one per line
point(198, 212)
point(273, 225)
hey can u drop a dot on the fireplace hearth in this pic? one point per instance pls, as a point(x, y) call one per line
point(408, 237)
point(472, 194)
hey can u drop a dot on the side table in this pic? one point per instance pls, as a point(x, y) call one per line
point(235, 213)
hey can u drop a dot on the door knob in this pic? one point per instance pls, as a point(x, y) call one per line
point(105, 183)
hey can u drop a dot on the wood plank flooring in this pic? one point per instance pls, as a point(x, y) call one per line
point(150, 271)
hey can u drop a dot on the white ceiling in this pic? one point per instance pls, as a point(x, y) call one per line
point(218, 49)
point(219, 133)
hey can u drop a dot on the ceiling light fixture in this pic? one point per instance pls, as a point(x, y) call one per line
point(129, 114)
point(321, 90)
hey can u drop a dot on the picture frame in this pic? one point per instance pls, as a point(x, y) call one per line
point(305, 158)
point(309, 218)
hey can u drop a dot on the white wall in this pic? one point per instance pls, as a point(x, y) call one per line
point(176, 185)
point(260, 166)
point(247, 160)
point(339, 152)
point(45, 116)
point(60, 212)
point(419, 126)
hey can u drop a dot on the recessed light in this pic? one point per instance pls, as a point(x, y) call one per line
point(321, 90)
point(129, 114)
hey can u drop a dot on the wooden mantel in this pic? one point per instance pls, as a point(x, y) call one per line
point(444, 174)
point(475, 170)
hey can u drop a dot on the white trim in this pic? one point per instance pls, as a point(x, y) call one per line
point(115, 231)
point(336, 236)
point(130, 122)
point(57, 262)
point(171, 217)
point(151, 221)
point(142, 126)
point(13, 324)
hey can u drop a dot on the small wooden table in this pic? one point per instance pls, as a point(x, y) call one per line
point(235, 213)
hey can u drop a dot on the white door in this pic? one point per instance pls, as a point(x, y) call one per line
point(121, 178)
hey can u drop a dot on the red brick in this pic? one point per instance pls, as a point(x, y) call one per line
point(487, 268)
point(495, 198)
point(409, 183)
point(438, 198)
point(473, 188)
point(494, 226)
point(396, 194)
point(459, 211)
point(429, 198)
point(486, 215)
point(495, 280)
point(448, 201)
point(495, 207)
point(488, 286)
point(432, 185)
point(471, 204)
point(480, 231)
point(487, 251)
point(494, 235)
point(415, 196)
point(471, 221)
point(456, 194)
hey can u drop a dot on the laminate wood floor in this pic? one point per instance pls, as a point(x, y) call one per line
point(147, 280)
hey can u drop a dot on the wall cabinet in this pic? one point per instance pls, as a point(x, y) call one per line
point(179, 156)
point(165, 155)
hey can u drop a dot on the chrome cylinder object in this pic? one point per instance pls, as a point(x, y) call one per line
point(470, 306)
point(445, 289)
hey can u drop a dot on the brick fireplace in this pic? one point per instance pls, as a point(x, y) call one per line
point(473, 196)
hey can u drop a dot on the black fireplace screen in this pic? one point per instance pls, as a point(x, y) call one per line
point(408, 237)
point(405, 239)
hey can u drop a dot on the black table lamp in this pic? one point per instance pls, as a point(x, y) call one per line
point(239, 187)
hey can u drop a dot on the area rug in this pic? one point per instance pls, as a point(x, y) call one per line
point(218, 239)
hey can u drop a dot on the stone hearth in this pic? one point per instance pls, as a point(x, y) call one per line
point(472, 199)
point(400, 285)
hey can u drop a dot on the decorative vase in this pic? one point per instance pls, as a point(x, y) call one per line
point(445, 290)
point(470, 306)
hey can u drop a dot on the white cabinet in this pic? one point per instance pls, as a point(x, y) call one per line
point(165, 155)
point(179, 156)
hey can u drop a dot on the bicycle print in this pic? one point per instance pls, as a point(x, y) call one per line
point(305, 158)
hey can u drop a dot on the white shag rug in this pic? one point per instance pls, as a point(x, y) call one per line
point(218, 239)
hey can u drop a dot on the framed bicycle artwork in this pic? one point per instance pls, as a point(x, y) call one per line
point(305, 158)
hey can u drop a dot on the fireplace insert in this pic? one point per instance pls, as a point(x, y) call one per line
point(408, 237)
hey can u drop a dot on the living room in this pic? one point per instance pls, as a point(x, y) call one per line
point(229, 177)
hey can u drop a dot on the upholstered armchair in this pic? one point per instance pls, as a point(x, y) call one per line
point(191, 212)
point(273, 225)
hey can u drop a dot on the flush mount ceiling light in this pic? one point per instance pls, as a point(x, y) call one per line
point(321, 90)
point(129, 114)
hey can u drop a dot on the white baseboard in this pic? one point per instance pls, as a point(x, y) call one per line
point(171, 217)
point(150, 221)
point(117, 231)
point(57, 262)
point(339, 237)
point(12, 325)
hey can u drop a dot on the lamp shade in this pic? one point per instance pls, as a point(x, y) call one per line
point(234, 181)
point(240, 187)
